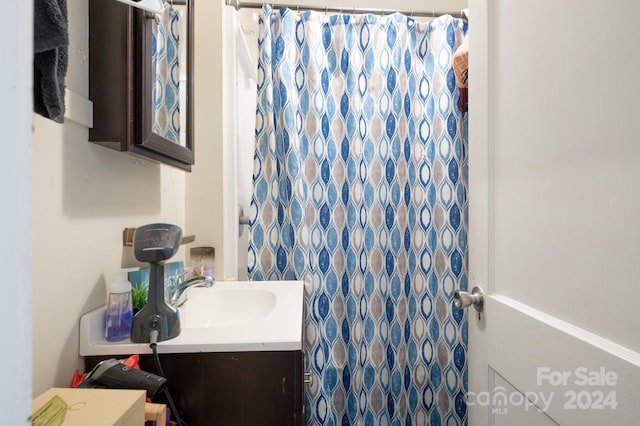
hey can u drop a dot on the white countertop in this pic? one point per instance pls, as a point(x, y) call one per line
point(280, 329)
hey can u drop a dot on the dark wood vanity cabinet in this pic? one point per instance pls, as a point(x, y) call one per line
point(121, 79)
point(233, 388)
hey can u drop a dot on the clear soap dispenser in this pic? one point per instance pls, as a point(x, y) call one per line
point(119, 309)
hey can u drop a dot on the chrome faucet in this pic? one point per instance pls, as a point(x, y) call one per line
point(177, 287)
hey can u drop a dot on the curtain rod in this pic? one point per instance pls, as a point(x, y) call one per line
point(239, 4)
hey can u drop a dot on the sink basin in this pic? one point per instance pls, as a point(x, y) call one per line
point(228, 317)
point(225, 307)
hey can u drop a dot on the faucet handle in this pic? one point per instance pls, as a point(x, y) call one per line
point(177, 278)
point(178, 294)
point(173, 282)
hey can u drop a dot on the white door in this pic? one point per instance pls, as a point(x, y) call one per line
point(554, 216)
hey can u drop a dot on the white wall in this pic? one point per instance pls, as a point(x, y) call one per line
point(204, 184)
point(84, 195)
point(246, 95)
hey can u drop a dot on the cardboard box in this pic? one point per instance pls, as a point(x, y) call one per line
point(97, 407)
point(156, 413)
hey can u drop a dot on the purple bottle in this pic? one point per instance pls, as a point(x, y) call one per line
point(119, 309)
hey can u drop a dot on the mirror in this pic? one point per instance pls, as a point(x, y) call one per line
point(167, 75)
point(167, 70)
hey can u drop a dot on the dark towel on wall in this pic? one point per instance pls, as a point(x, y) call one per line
point(50, 59)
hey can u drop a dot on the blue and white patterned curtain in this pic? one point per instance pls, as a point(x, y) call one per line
point(360, 191)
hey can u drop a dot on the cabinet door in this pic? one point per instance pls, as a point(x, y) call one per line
point(231, 388)
point(138, 64)
point(299, 383)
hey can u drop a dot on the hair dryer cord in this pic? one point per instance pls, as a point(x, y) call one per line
point(154, 338)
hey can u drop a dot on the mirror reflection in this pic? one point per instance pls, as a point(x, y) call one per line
point(169, 66)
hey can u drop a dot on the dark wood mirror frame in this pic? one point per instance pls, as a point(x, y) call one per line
point(121, 80)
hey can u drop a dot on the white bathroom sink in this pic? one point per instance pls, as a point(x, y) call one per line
point(226, 306)
point(228, 317)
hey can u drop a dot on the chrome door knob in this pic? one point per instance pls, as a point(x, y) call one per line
point(462, 299)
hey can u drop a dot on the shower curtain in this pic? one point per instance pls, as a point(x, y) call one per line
point(360, 191)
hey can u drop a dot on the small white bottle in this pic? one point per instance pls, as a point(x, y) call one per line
point(119, 309)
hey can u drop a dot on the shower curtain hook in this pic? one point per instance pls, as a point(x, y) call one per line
point(326, 9)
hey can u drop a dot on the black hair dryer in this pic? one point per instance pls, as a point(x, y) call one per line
point(112, 374)
point(156, 243)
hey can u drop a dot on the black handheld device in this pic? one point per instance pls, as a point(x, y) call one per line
point(155, 243)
